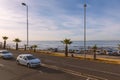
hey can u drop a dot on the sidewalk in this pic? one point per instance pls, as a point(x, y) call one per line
point(100, 58)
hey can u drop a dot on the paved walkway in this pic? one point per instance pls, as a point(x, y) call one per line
point(106, 58)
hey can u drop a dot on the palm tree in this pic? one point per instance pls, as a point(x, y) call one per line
point(34, 47)
point(66, 42)
point(4, 38)
point(94, 50)
point(17, 40)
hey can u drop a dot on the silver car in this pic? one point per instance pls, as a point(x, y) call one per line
point(6, 54)
point(29, 60)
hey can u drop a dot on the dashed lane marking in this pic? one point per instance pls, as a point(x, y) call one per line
point(91, 69)
point(106, 72)
point(40, 71)
point(87, 76)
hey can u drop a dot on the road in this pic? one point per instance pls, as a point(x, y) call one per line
point(58, 68)
point(9, 70)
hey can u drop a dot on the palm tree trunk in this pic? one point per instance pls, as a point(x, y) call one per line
point(34, 49)
point(16, 46)
point(25, 47)
point(4, 44)
point(94, 55)
point(66, 50)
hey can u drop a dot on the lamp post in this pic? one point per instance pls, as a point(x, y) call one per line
point(85, 5)
point(24, 4)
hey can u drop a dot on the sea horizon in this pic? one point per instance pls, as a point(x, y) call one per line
point(74, 45)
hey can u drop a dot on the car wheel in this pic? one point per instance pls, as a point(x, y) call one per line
point(28, 65)
point(3, 57)
point(17, 62)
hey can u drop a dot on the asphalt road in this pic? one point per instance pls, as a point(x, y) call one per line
point(9, 70)
point(58, 68)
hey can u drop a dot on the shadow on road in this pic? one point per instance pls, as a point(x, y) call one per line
point(47, 70)
point(9, 59)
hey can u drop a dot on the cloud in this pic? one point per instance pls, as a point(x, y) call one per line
point(41, 27)
point(103, 29)
point(56, 20)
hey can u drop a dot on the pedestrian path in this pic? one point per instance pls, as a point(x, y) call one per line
point(102, 58)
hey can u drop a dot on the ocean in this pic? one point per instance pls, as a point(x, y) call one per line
point(75, 45)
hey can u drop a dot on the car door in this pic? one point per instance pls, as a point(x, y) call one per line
point(24, 60)
point(20, 59)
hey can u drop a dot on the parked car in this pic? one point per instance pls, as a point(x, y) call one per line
point(28, 60)
point(109, 52)
point(100, 52)
point(80, 51)
point(6, 54)
point(113, 52)
point(118, 52)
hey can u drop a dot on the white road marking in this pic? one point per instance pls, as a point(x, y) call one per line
point(40, 71)
point(1, 65)
point(88, 77)
point(117, 74)
point(91, 69)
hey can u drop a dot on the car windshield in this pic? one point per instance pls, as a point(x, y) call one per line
point(5, 52)
point(30, 57)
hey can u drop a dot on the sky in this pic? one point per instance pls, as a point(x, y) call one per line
point(60, 19)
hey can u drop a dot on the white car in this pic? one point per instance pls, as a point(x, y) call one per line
point(29, 60)
point(5, 54)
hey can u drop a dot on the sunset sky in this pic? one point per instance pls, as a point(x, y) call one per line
point(59, 19)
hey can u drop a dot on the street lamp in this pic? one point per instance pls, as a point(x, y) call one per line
point(24, 4)
point(85, 5)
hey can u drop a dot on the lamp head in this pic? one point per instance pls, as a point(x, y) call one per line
point(85, 5)
point(23, 4)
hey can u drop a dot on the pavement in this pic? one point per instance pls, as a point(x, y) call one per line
point(58, 68)
point(11, 71)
